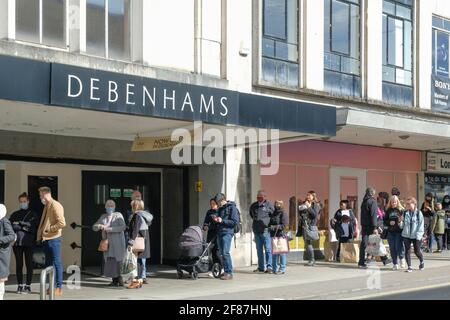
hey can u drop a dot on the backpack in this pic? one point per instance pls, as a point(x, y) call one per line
point(238, 227)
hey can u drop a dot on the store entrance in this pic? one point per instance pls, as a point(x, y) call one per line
point(98, 187)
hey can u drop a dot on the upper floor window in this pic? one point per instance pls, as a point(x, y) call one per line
point(280, 58)
point(397, 42)
point(41, 21)
point(342, 47)
point(108, 28)
point(441, 36)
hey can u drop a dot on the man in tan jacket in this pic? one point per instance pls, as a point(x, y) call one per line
point(50, 234)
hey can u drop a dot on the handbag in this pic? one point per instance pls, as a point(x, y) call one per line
point(280, 245)
point(104, 245)
point(289, 235)
point(311, 233)
point(139, 244)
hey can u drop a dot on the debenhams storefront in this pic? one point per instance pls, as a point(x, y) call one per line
point(73, 128)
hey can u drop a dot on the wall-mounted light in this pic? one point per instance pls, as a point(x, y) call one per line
point(244, 50)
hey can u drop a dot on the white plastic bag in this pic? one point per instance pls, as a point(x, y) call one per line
point(129, 266)
point(376, 247)
point(332, 236)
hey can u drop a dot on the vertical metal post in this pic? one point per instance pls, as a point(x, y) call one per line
point(43, 291)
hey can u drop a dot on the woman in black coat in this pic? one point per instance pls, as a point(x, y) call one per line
point(139, 227)
point(309, 213)
point(279, 220)
point(344, 224)
point(25, 223)
point(7, 236)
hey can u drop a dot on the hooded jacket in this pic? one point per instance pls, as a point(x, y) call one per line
point(230, 218)
point(260, 213)
point(7, 236)
point(439, 222)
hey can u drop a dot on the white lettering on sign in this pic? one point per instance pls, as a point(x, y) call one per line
point(442, 84)
point(70, 78)
point(128, 93)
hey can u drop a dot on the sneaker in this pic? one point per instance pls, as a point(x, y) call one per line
point(409, 270)
point(20, 289)
point(396, 267)
point(403, 263)
point(310, 264)
point(280, 273)
point(27, 290)
point(226, 276)
point(387, 261)
point(422, 266)
point(362, 266)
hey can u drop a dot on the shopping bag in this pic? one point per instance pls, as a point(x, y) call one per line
point(349, 252)
point(129, 265)
point(280, 245)
point(376, 247)
point(332, 236)
point(330, 251)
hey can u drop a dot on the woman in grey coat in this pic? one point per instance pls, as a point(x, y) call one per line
point(112, 226)
point(7, 236)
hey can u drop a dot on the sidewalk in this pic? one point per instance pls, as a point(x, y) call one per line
point(326, 281)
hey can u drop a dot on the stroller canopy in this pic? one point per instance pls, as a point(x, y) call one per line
point(191, 237)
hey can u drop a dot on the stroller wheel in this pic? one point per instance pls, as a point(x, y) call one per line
point(180, 274)
point(216, 270)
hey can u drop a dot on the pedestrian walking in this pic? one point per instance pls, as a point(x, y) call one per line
point(279, 220)
point(50, 234)
point(394, 214)
point(25, 223)
point(7, 236)
point(210, 226)
point(369, 223)
point(112, 226)
point(260, 212)
point(413, 228)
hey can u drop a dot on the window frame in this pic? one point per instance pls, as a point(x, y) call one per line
point(402, 19)
point(66, 32)
point(106, 26)
point(261, 56)
point(338, 53)
point(434, 30)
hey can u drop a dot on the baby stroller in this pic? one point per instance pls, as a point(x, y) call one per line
point(196, 255)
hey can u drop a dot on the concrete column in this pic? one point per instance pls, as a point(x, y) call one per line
point(74, 25)
point(374, 75)
point(313, 45)
point(7, 19)
point(137, 31)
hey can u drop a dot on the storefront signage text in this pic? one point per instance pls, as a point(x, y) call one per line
point(438, 162)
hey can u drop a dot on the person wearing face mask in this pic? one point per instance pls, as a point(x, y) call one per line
point(260, 212)
point(428, 211)
point(7, 236)
point(25, 223)
point(112, 226)
point(279, 220)
point(50, 234)
point(446, 208)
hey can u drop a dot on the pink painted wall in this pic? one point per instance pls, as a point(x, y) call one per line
point(349, 155)
point(305, 166)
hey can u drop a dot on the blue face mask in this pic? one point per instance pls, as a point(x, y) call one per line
point(110, 210)
point(24, 206)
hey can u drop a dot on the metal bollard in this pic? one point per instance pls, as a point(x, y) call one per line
point(43, 291)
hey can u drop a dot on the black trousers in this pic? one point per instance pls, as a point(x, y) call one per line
point(417, 251)
point(341, 240)
point(20, 253)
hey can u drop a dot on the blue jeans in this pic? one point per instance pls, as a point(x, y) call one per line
point(396, 246)
point(224, 243)
point(142, 269)
point(52, 249)
point(282, 258)
point(264, 242)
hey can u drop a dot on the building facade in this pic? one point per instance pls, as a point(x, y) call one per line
point(358, 89)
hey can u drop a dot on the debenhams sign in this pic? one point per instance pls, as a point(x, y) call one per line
point(113, 92)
